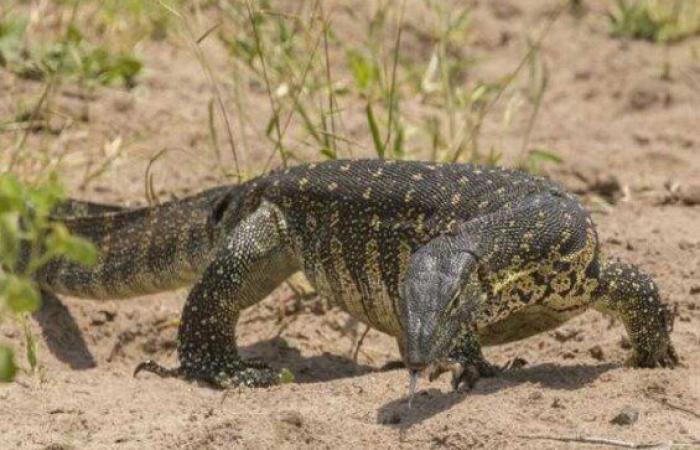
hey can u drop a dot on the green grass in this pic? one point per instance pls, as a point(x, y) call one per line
point(314, 82)
point(656, 20)
point(24, 223)
point(71, 57)
point(288, 55)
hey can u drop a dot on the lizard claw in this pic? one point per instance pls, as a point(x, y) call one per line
point(463, 373)
point(163, 372)
point(514, 364)
point(436, 369)
point(467, 374)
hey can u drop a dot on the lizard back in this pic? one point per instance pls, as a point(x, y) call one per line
point(354, 224)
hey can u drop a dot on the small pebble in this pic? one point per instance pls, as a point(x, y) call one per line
point(390, 418)
point(565, 334)
point(690, 195)
point(627, 416)
point(537, 395)
point(596, 352)
point(292, 418)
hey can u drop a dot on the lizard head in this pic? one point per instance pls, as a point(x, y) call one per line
point(437, 303)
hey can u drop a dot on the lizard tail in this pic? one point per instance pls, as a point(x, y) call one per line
point(141, 250)
point(79, 208)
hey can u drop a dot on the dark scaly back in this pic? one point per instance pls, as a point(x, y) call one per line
point(355, 223)
point(141, 250)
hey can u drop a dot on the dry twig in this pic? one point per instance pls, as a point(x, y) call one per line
point(664, 401)
point(598, 441)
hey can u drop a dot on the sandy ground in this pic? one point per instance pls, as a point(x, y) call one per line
point(608, 114)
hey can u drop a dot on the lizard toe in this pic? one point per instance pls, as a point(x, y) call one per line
point(514, 364)
point(465, 377)
point(155, 368)
point(466, 374)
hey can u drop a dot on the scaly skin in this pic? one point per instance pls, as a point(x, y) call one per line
point(142, 250)
point(443, 257)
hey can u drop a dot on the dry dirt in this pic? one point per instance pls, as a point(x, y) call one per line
point(608, 114)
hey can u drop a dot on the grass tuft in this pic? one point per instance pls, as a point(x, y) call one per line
point(656, 20)
point(71, 57)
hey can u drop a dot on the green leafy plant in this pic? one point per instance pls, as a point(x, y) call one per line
point(411, 101)
point(12, 31)
point(656, 20)
point(134, 20)
point(286, 376)
point(364, 70)
point(73, 56)
point(28, 240)
point(537, 158)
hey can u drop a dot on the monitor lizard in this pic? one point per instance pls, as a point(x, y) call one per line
point(443, 257)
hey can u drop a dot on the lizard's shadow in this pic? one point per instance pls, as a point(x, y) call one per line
point(432, 401)
point(62, 334)
point(306, 369)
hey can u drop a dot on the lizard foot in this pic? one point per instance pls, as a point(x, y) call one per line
point(514, 364)
point(234, 373)
point(464, 373)
point(648, 359)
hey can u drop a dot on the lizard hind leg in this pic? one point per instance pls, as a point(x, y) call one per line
point(253, 260)
point(632, 296)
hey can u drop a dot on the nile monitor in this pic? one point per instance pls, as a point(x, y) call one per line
point(444, 257)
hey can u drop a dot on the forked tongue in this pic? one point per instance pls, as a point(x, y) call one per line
point(412, 382)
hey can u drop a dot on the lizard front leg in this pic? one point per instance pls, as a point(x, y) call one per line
point(539, 251)
point(633, 297)
point(465, 361)
point(253, 261)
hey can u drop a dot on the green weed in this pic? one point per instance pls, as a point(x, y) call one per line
point(71, 57)
point(12, 30)
point(28, 240)
point(135, 20)
point(656, 20)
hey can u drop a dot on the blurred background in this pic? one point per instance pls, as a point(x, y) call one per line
point(101, 90)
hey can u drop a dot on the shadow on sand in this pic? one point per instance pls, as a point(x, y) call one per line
point(64, 339)
point(432, 401)
point(61, 333)
point(306, 369)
